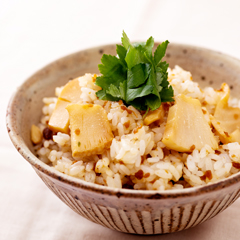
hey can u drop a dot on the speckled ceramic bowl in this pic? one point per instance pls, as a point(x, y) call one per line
point(131, 211)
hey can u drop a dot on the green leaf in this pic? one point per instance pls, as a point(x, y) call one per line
point(112, 71)
point(149, 47)
point(167, 94)
point(125, 41)
point(152, 82)
point(160, 52)
point(165, 82)
point(121, 51)
point(123, 89)
point(118, 93)
point(153, 102)
point(133, 57)
point(138, 103)
point(159, 88)
point(162, 74)
point(114, 91)
point(105, 82)
point(159, 76)
point(145, 50)
point(138, 74)
point(101, 94)
point(138, 92)
point(163, 66)
point(111, 67)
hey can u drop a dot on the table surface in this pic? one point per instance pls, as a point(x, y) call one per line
point(34, 33)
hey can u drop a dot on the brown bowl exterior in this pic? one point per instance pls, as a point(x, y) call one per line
point(131, 211)
point(155, 213)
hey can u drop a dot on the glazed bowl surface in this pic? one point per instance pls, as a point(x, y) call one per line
point(130, 211)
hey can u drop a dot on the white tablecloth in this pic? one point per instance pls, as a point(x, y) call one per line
point(34, 33)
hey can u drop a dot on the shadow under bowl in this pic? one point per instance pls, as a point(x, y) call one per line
point(130, 211)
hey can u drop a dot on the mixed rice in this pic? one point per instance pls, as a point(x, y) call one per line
point(137, 157)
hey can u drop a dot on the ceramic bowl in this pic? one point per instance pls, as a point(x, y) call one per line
point(130, 211)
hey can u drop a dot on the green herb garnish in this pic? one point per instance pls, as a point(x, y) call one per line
point(79, 144)
point(136, 76)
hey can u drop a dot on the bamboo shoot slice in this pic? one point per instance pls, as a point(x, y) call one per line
point(186, 127)
point(90, 129)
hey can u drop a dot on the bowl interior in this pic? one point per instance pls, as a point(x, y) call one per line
point(209, 68)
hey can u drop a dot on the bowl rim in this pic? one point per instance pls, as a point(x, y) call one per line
point(19, 144)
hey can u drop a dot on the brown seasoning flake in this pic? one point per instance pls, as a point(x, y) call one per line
point(219, 90)
point(218, 152)
point(166, 152)
point(128, 184)
point(94, 77)
point(226, 133)
point(166, 107)
point(104, 104)
point(192, 147)
point(146, 175)
point(127, 124)
point(47, 133)
point(135, 130)
point(208, 174)
point(139, 174)
point(235, 116)
point(77, 131)
point(125, 108)
point(143, 158)
point(236, 165)
point(203, 178)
